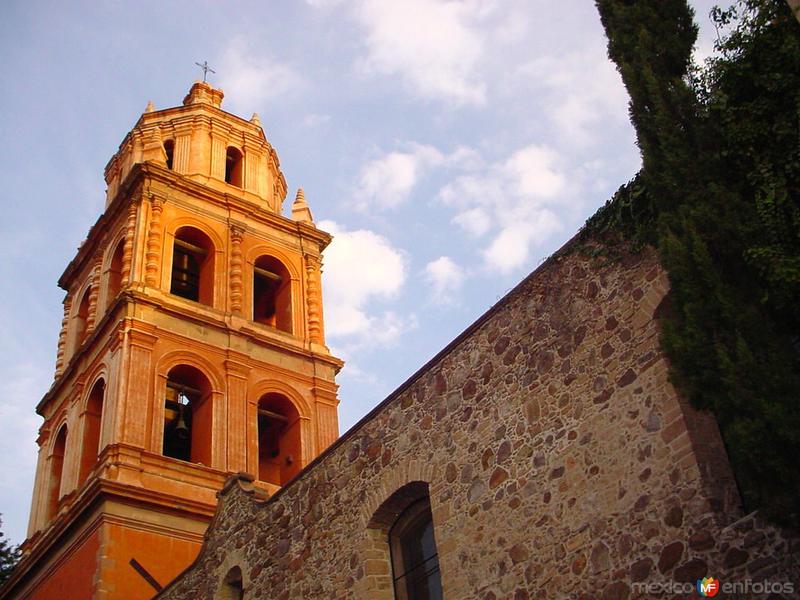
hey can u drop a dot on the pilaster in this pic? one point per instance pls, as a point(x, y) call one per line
point(200, 156)
point(94, 292)
point(314, 300)
point(236, 233)
point(37, 518)
point(237, 374)
point(218, 147)
point(62, 336)
point(127, 246)
point(138, 387)
point(183, 145)
point(251, 156)
point(69, 473)
point(154, 242)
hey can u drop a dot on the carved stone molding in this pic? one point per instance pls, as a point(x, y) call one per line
point(127, 247)
point(314, 299)
point(237, 232)
point(153, 242)
point(94, 292)
point(62, 336)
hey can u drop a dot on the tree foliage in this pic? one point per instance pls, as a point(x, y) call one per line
point(9, 555)
point(718, 195)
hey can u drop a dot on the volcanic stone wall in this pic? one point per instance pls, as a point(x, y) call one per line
point(559, 461)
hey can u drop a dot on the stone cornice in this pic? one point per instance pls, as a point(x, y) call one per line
point(178, 115)
point(73, 519)
point(143, 173)
point(102, 329)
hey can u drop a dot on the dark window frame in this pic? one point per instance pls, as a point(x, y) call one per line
point(421, 580)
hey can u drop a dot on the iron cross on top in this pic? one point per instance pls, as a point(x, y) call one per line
point(206, 69)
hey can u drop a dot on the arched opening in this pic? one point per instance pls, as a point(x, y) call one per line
point(279, 440)
point(272, 297)
point(188, 416)
point(233, 166)
point(415, 560)
point(56, 471)
point(115, 274)
point(400, 535)
point(232, 587)
point(193, 266)
point(169, 151)
point(92, 418)
point(81, 318)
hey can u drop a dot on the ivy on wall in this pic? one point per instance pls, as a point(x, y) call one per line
point(719, 196)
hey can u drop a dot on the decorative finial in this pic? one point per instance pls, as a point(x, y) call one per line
point(206, 69)
point(300, 210)
point(150, 107)
point(255, 119)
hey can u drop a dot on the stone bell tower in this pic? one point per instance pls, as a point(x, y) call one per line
point(192, 347)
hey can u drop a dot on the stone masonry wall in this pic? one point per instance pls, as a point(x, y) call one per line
point(559, 461)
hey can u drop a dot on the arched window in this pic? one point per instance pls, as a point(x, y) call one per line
point(92, 418)
point(81, 318)
point(232, 587)
point(272, 297)
point(56, 470)
point(400, 534)
point(193, 266)
point(188, 416)
point(169, 151)
point(415, 561)
point(279, 440)
point(233, 167)
point(115, 274)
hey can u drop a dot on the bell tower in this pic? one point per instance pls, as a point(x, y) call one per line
point(192, 347)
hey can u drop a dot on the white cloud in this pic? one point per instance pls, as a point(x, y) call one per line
point(445, 278)
point(433, 45)
point(510, 249)
point(249, 78)
point(582, 92)
point(532, 169)
point(475, 221)
point(387, 181)
point(361, 267)
point(515, 197)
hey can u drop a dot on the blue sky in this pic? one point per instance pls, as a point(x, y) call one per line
point(453, 143)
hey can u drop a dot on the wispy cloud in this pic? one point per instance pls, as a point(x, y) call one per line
point(434, 46)
point(514, 198)
point(362, 268)
point(250, 78)
point(388, 180)
point(580, 92)
point(445, 278)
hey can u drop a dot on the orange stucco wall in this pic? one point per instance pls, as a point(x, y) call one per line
point(162, 556)
point(75, 577)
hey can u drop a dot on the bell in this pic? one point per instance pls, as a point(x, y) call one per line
point(181, 430)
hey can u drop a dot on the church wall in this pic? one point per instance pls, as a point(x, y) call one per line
point(118, 579)
point(75, 568)
point(559, 460)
